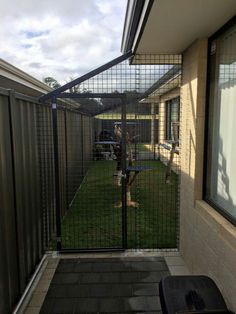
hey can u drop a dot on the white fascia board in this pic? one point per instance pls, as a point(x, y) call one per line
point(145, 7)
point(13, 73)
point(127, 24)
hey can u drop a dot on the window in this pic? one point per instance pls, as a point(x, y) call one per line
point(220, 173)
point(172, 119)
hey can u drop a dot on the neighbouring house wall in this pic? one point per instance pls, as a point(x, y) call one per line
point(207, 240)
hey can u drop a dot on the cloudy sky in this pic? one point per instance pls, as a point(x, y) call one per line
point(60, 38)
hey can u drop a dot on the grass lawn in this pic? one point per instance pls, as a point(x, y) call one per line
point(94, 220)
point(141, 147)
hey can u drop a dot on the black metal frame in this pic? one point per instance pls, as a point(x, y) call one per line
point(168, 104)
point(57, 92)
point(66, 155)
point(60, 249)
point(124, 99)
point(170, 75)
point(123, 168)
point(219, 209)
point(57, 178)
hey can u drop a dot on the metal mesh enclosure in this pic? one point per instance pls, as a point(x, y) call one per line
point(74, 156)
point(46, 163)
point(119, 153)
point(89, 222)
point(127, 76)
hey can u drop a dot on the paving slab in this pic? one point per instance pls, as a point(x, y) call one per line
point(105, 285)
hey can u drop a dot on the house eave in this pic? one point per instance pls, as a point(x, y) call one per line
point(134, 21)
point(12, 73)
point(167, 27)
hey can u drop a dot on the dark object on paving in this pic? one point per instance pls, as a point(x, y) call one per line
point(190, 294)
point(106, 285)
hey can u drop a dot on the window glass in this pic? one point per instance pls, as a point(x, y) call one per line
point(172, 119)
point(221, 154)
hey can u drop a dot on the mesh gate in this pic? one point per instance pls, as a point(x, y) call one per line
point(116, 154)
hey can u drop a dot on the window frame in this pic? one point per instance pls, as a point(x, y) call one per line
point(218, 208)
point(168, 104)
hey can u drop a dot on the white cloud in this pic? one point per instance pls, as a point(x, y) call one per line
point(60, 38)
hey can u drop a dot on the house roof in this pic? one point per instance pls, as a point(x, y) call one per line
point(14, 78)
point(169, 27)
point(170, 80)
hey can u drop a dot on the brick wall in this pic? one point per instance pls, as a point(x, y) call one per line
point(207, 240)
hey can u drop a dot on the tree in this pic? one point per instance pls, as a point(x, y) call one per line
point(51, 82)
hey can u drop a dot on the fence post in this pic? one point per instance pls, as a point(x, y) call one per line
point(82, 144)
point(153, 130)
point(123, 167)
point(56, 175)
point(66, 160)
point(135, 143)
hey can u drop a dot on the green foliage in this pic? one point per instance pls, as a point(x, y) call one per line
point(50, 81)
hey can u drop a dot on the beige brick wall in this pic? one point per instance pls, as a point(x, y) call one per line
point(207, 240)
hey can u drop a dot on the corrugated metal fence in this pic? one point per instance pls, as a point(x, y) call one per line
point(27, 196)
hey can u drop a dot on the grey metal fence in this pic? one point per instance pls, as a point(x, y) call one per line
point(20, 198)
point(27, 191)
point(9, 276)
point(75, 147)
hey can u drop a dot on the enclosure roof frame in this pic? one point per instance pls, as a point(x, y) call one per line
point(172, 73)
point(57, 92)
point(60, 93)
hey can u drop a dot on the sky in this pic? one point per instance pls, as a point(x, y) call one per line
point(60, 38)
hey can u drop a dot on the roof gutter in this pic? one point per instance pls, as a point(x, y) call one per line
point(137, 13)
point(13, 73)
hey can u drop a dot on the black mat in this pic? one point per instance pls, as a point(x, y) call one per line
point(109, 285)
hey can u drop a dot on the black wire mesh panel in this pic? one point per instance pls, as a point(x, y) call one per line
point(152, 172)
point(153, 210)
point(94, 215)
point(46, 162)
point(150, 85)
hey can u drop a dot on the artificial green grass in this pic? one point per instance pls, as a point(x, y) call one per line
point(140, 147)
point(95, 221)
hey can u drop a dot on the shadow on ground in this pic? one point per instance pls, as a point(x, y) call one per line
point(106, 285)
